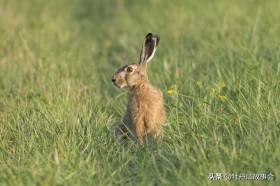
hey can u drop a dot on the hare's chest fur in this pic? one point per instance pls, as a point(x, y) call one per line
point(145, 111)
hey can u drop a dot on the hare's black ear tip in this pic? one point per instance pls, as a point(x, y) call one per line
point(149, 35)
point(152, 35)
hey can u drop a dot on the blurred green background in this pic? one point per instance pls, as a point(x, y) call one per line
point(217, 65)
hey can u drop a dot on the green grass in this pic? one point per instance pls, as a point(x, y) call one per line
point(58, 106)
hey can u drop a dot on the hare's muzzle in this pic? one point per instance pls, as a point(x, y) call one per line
point(115, 81)
point(118, 82)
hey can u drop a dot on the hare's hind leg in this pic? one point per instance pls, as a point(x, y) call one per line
point(159, 133)
point(155, 131)
point(139, 131)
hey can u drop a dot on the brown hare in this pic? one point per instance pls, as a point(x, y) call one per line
point(145, 112)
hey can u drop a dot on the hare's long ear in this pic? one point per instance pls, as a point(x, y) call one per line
point(149, 48)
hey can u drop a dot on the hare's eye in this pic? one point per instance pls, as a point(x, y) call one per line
point(129, 69)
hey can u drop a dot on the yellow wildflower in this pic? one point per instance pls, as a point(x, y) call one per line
point(222, 98)
point(170, 92)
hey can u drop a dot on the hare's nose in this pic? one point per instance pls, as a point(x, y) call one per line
point(113, 79)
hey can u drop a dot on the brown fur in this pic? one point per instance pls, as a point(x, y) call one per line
point(145, 109)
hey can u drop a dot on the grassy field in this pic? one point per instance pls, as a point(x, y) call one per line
point(218, 65)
